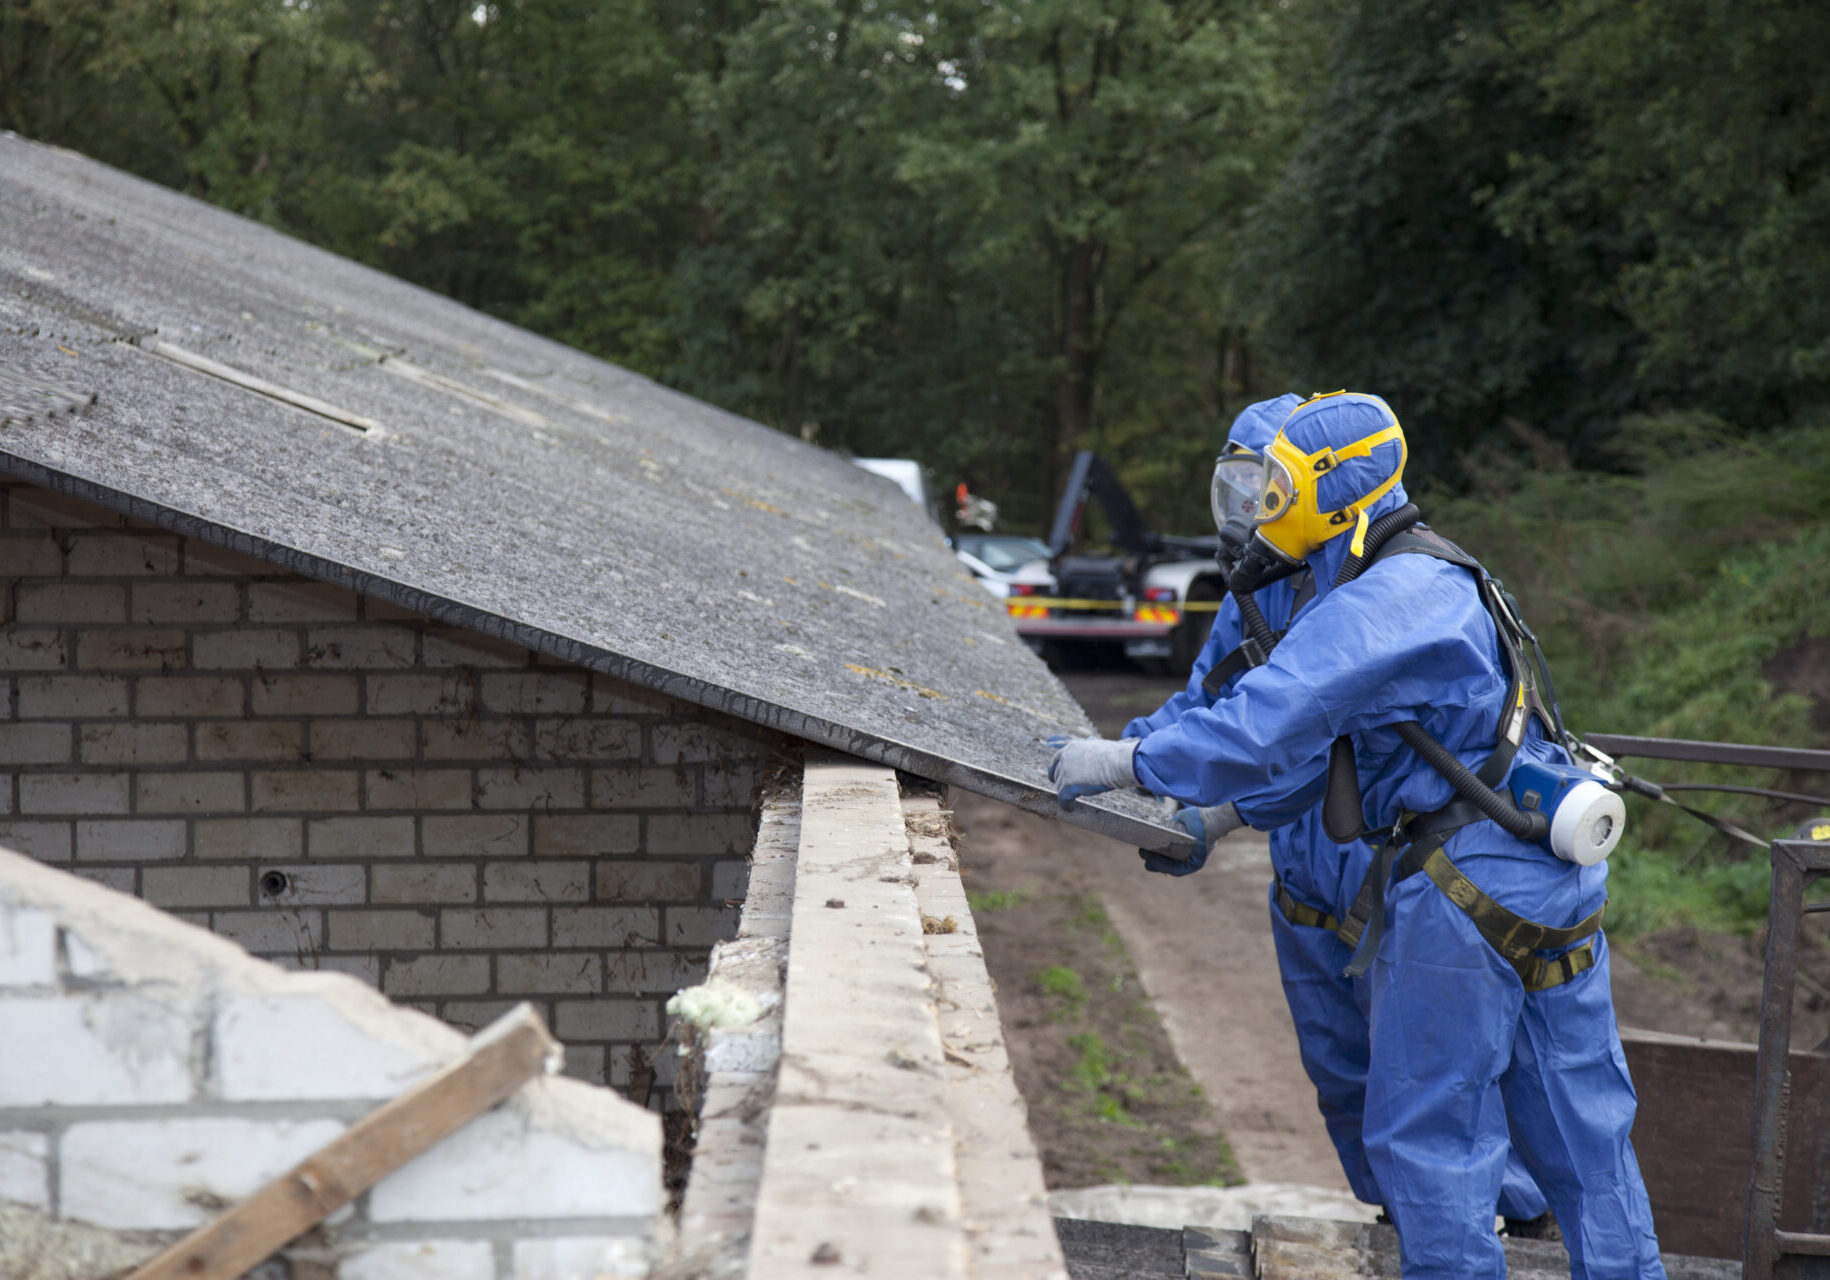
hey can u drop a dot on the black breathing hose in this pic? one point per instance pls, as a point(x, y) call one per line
point(1516, 821)
point(1376, 534)
point(1253, 618)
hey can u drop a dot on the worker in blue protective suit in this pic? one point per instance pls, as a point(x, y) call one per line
point(1477, 1044)
point(1314, 878)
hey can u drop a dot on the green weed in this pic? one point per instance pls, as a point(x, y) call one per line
point(995, 899)
point(1109, 1090)
point(1065, 985)
point(1197, 1161)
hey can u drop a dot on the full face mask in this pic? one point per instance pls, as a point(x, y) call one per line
point(1238, 477)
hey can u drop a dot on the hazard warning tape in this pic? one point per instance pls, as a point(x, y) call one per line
point(1110, 606)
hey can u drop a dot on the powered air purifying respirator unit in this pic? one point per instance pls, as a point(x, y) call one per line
point(1586, 819)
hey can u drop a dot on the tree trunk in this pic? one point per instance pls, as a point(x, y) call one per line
point(1077, 386)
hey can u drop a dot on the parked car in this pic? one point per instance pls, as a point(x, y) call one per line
point(1006, 564)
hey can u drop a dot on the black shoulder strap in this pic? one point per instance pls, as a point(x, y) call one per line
point(1420, 539)
point(1250, 653)
point(1522, 695)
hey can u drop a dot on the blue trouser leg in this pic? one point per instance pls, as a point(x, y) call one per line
point(1329, 1013)
point(1457, 1048)
point(1572, 1105)
point(1519, 1194)
point(1331, 1039)
point(1443, 1006)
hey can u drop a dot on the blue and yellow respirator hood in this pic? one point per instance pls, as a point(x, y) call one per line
point(1336, 456)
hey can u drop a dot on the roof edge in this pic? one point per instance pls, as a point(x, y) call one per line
point(1096, 816)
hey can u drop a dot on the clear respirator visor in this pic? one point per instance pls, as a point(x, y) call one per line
point(1237, 479)
point(1276, 491)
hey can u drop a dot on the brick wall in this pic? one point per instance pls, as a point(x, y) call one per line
point(335, 783)
point(170, 1075)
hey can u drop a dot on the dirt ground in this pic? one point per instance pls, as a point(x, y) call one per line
point(1050, 897)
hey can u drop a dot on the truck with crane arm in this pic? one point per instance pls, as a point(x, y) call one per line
point(1156, 594)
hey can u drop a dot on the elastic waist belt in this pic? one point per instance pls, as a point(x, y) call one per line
point(1302, 913)
point(1513, 936)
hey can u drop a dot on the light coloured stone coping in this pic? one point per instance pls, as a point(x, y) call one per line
point(1010, 1233)
point(888, 1137)
point(858, 1173)
point(147, 1031)
point(738, 1062)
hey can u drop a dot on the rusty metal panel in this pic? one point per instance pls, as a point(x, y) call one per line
point(1693, 1136)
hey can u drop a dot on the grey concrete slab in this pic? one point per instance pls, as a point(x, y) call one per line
point(276, 399)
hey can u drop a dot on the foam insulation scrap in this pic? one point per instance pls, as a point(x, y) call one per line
point(715, 1005)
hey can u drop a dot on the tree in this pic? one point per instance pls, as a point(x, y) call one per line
point(935, 227)
point(1378, 264)
point(1706, 138)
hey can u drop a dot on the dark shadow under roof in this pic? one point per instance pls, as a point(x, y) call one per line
point(205, 373)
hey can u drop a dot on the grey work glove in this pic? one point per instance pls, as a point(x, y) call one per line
point(1208, 826)
point(1086, 766)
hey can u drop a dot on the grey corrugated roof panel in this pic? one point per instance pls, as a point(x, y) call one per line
point(486, 476)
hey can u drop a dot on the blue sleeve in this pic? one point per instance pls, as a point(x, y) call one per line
point(1222, 640)
point(1409, 640)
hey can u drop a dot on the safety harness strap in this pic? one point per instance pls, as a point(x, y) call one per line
point(1301, 913)
point(1364, 927)
point(1513, 936)
point(1250, 653)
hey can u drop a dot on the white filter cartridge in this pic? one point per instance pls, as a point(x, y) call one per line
point(1587, 824)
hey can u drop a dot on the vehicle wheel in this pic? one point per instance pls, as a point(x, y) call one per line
point(1190, 635)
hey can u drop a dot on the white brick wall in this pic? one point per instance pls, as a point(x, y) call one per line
point(335, 783)
point(170, 1074)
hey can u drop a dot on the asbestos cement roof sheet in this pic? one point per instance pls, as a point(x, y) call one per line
point(211, 375)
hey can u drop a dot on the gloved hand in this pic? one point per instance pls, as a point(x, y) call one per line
point(1085, 766)
point(1208, 826)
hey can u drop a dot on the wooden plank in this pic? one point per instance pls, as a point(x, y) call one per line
point(505, 1055)
point(253, 382)
point(1694, 1138)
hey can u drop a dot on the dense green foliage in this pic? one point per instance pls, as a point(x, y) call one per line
point(985, 233)
point(1686, 595)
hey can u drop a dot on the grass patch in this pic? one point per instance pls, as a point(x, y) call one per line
point(1065, 986)
point(1087, 913)
point(1199, 1161)
point(1109, 1091)
point(985, 900)
point(1108, 1100)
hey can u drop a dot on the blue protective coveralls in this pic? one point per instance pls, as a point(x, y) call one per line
point(1463, 1064)
point(1327, 1008)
